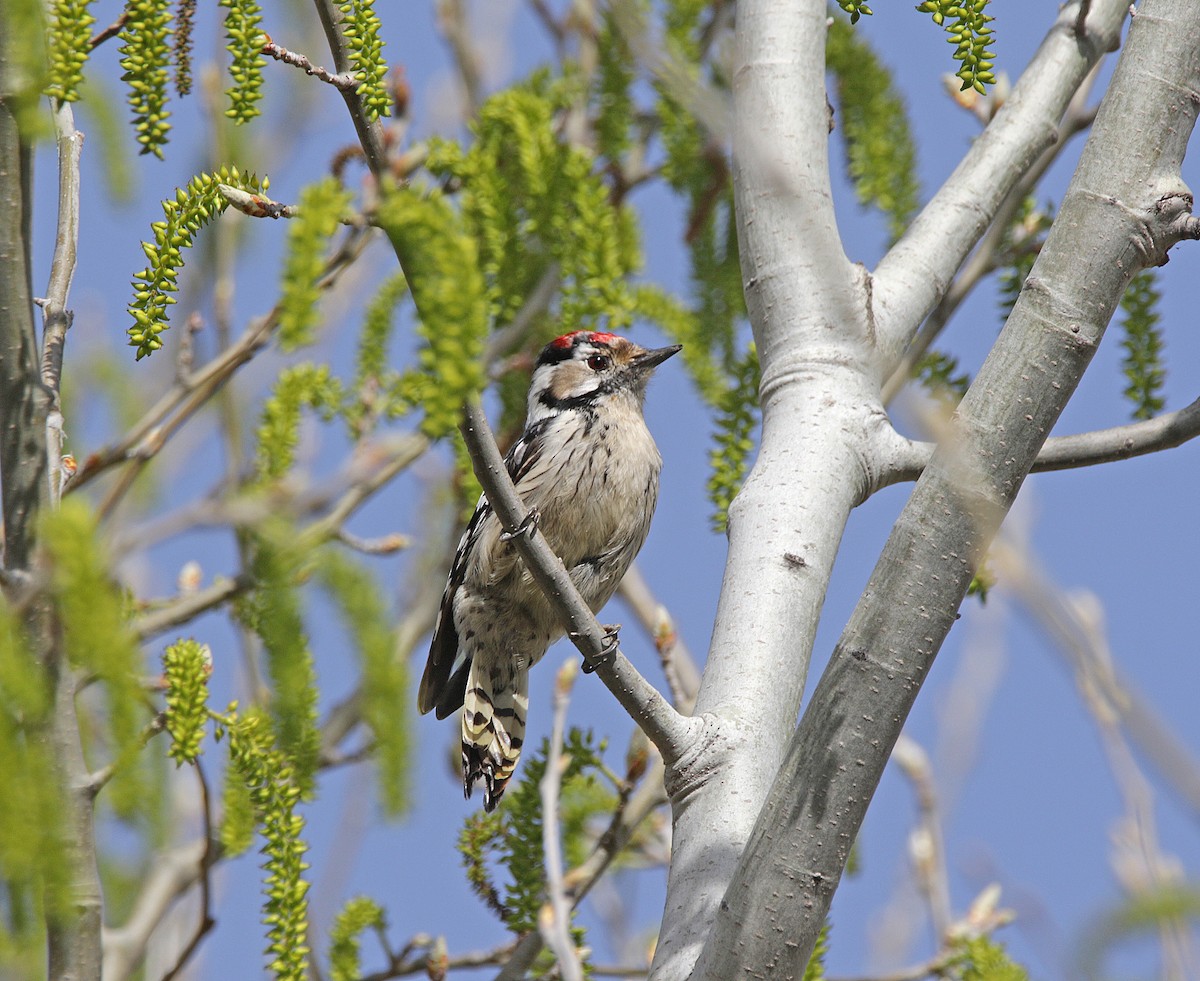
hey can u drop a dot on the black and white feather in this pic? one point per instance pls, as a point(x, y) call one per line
point(587, 463)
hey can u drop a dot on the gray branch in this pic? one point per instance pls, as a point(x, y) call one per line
point(1134, 439)
point(1122, 211)
point(26, 403)
point(917, 272)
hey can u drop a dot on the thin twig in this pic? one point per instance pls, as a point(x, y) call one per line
point(97, 781)
point(186, 396)
point(188, 606)
point(927, 846)
point(1164, 432)
point(667, 729)
point(579, 881)
point(982, 262)
point(113, 29)
point(211, 845)
point(56, 317)
point(554, 920)
point(679, 667)
point(452, 20)
point(345, 81)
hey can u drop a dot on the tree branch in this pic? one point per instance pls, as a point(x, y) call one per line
point(370, 133)
point(918, 270)
point(26, 403)
point(671, 732)
point(554, 920)
point(983, 260)
point(344, 82)
point(1113, 221)
point(1134, 439)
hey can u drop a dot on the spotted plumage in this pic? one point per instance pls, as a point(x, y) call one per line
point(588, 465)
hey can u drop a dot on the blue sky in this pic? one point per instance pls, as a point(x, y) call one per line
point(1031, 802)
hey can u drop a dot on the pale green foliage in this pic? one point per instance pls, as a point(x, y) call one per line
point(273, 611)
point(243, 28)
point(384, 685)
point(301, 386)
point(68, 47)
point(186, 666)
point(322, 205)
point(683, 139)
point(443, 267)
point(855, 8)
point(939, 375)
point(815, 969)
point(684, 327)
point(986, 960)
point(192, 208)
point(532, 202)
point(145, 56)
point(1143, 345)
point(236, 833)
point(1147, 913)
point(1022, 243)
point(614, 77)
point(359, 914)
point(737, 420)
point(371, 362)
point(96, 636)
point(966, 23)
point(274, 792)
point(511, 836)
point(34, 872)
point(362, 28)
point(378, 391)
point(880, 155)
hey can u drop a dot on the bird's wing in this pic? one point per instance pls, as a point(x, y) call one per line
point(444, 681)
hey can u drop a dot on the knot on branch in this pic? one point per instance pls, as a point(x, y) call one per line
point(710, 749)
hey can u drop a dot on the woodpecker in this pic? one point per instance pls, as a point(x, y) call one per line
point(587, 465)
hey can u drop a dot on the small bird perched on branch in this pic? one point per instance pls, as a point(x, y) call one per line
point(588, 468)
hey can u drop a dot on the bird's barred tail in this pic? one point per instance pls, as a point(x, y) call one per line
point(493, 731)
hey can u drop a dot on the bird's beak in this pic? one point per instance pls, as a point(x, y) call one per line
point(652, 359)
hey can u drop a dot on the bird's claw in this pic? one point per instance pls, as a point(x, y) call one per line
point(611, 642)
point(526, 527)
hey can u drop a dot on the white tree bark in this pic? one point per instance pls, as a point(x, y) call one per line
point(747, 898)
point(1125, 207)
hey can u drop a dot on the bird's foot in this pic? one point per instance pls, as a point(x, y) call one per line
point(526, 527)
point(612, 641)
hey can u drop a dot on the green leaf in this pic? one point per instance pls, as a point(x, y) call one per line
point(881, 156)
point(243, 28)
point(267, 773)
point(384, 684)
point(442, 264)
point(1143, 345)
point(359, 914)
point(97, 638)
point(737, 420)
point(273, 611)
point(68, 46)
point(322, 205)
point(145, 57)
point(966, 24)
point(192, 208)
point(186, 667)
point(301, 386)
point(361, 28)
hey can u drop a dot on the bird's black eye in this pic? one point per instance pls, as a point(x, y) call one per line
point(598, 362)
